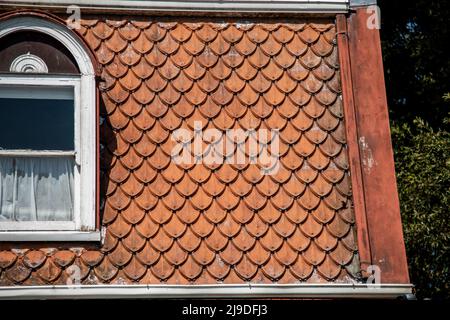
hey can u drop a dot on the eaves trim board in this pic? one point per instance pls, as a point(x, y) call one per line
point(362, 3)
point(236, 6)
point(347, 291)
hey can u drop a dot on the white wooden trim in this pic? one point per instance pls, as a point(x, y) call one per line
point(185, 6)
point(362, 3)
point(46, 236)
point(87, 155)
point(55, 92)
point(85, 109)
point(36, 153)
point(250, 290)
point(57, 31)
point(42, 76)
point(36, 225)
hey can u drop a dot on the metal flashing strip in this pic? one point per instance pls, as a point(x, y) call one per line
point(236, 6)
point(324, 290)
point(362, 3)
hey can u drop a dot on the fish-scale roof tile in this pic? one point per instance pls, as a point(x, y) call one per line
point(221, 222)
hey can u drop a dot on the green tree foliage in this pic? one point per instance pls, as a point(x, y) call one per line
point(423, 174)
point(415, 37)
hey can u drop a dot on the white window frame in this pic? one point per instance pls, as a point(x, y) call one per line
point(18, 82)
point(83, 228)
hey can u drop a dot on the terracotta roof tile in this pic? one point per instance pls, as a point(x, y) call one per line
point(209, 223)
point(18, 272)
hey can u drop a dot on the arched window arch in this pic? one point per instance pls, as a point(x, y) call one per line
point(48, 137)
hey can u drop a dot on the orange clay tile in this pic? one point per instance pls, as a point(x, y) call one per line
point(219, 223)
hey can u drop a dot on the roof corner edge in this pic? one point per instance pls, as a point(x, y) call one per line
point(362, 3)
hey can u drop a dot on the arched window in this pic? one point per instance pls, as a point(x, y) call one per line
point(48, 133)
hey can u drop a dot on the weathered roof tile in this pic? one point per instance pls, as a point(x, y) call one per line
point(201, 223)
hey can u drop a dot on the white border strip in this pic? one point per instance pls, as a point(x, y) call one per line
point(66, 236)
point(249, 6)
point(36, 153)
point(326, 290)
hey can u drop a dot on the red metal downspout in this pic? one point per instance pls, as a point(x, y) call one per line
point(377, 209)
point(352, 142)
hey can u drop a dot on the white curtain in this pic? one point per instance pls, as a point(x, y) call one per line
point(36, 188)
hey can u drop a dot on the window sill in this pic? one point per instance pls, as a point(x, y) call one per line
point(66, 236)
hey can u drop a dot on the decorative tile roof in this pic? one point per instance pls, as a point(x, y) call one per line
point(205, 223)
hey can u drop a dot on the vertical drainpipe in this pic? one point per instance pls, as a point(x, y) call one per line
point(385, 233)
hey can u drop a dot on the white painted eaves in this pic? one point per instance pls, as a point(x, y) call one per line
point(223, 6)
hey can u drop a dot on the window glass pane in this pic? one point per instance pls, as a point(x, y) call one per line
point(36, 189)
point(36, 119)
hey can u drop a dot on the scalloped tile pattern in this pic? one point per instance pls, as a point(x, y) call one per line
point(203, 224)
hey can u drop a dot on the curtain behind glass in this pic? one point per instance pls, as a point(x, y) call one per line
point(36, 188)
